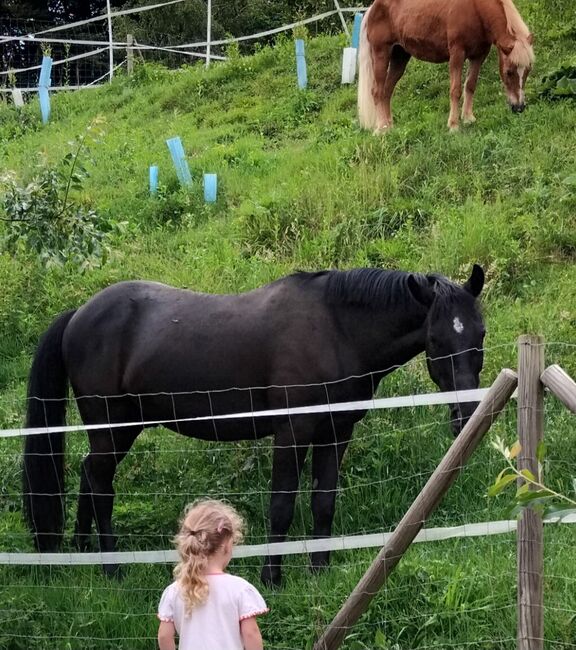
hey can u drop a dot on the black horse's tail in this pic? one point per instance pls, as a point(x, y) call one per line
point(43, 476)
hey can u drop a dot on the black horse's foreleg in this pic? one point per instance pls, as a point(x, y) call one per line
point(289, 457)
point(326, 459)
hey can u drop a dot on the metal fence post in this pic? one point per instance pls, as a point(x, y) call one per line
point(208, 31)
point(110, 39)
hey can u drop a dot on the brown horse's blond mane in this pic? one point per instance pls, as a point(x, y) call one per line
point(522, 53)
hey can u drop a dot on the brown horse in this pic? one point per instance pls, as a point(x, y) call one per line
point(440, 31)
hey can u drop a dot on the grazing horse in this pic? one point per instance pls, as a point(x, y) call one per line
point(164, 355)
point(438, 31)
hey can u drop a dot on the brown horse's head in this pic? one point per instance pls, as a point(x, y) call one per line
point(516, 61)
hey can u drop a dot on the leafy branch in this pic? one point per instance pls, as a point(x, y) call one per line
point(44, 218)
point(532, 492)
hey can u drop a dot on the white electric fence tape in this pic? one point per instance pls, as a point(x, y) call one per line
point(351, 542)
point(427, 399)
point(168, 48)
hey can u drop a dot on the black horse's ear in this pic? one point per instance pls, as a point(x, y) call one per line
point(475, 282)
point(422, 290)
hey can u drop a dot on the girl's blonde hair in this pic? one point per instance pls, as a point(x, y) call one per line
point(206, 525)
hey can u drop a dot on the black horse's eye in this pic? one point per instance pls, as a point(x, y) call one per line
point(510, 73)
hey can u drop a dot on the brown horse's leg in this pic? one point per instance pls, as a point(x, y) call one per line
point(326, 459)
point(456, 65)
point(381, 61)
point(469, 88)
point(398, 61)
point(290, 449)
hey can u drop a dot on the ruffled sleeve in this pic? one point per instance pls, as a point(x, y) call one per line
point(251, 603)
point(166, 606)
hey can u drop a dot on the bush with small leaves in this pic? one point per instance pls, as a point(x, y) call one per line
point(42, 216)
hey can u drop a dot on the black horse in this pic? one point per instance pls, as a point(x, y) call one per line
point(162, 354)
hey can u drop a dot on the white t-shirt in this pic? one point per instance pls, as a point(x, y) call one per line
point(214, 625)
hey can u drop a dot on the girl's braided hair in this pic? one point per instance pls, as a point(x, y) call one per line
point(206, 525)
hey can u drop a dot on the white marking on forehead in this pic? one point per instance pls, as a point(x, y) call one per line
point(457, 324)
point(520, 71)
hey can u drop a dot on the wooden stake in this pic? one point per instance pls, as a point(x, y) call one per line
point(130, 53)
point(424, 504)
point(561, 384)
point(530, 533)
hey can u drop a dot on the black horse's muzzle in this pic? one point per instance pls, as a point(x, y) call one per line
point(460, 414)
point(518, 108)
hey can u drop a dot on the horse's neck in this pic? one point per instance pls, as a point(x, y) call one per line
point(387, 339)
point(500, 18)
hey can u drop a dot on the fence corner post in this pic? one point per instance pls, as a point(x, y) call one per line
point(530, 535)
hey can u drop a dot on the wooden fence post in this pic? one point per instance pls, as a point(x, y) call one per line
point(130, 53)
point(561, 385)
point(424, 504)
point(530, 534)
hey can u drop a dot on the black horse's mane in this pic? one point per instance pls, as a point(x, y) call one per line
point(377, 288)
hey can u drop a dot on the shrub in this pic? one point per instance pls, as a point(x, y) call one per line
point(43, 218)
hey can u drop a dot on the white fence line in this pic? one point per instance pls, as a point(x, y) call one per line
point(271, 32)
point(33, 38)
point(79, 23)
point(426, 399)
point(30, 89)
point(298, 547)
point(60, 62)
point(111, 44)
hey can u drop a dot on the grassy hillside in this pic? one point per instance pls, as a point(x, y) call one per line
point(301, 187)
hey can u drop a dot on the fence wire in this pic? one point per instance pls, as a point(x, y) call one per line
point(172, 33)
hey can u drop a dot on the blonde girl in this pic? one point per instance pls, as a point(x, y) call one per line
point(208, 608)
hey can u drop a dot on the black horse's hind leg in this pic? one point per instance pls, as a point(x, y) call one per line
point(96, 499)
point(289, 456)
point(327, 454)
point(85, 512)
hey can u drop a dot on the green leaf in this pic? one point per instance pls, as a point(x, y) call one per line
point(380, 640)
point(541, 448)
point(500, 484)
point(528, 496)
point(526, 473)
point(522, 490)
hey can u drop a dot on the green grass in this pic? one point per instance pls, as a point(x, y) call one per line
point(302, 187)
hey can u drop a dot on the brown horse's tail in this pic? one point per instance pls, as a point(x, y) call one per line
point(366, 105)
point(43, 475)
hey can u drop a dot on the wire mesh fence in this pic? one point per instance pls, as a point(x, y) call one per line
point(456, 592)
point(170, 33)
point(80, 54)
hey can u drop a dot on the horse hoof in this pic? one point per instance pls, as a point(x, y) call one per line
point(454, 128)
point(271, 576)
point(468, 119)
point(382, 129)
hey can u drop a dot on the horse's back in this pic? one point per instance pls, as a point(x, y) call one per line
point(426, 29)
point(141, 337)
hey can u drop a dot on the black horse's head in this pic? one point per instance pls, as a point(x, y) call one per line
point(454, 336)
